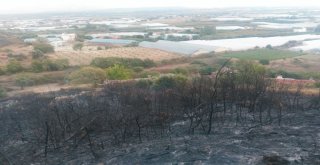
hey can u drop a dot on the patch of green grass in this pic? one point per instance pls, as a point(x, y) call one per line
point(262, 54)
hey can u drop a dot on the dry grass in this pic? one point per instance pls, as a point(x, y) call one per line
point(85, 57)
point(15, 49)
point(310, 91)
point(45, 88)
point(305, 63)
point(168, 68)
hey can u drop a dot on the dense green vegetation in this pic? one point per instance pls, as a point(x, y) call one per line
point(119, 72)
point(206, 70)
point(14, 66)
point(23, 80)
point(49, 65)
point(128, 62)
point(43, 47)
point(250, 73)
point(31, 79)
point(170, 82)
point(262, 54)
point(87, 75)
point(37, 66)
point(181, 71)
point(264, 62)
point(17, 56)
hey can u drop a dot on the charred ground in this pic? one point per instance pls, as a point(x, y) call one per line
point(238, 117)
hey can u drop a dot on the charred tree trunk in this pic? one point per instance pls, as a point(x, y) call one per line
point(46, 139)
point(139, 129)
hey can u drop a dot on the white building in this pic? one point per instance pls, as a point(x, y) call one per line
point(68, 37)
point(300, 30)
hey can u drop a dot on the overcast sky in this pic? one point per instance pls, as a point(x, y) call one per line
point(32, 6)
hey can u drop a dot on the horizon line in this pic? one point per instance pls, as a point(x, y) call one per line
point(135, 9)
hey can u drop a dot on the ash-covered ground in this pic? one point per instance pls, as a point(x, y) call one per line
point(296, 141)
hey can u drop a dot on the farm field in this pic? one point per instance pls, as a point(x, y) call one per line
point(86, 56)
point(262, 54)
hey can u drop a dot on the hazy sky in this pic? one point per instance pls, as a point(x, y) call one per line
point(30, 6)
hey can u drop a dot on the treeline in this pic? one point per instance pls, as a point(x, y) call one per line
point(111, 68)
point(37, 66)
point(136, 111)
point(127, 62)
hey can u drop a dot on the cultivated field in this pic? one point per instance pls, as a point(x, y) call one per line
point(262, 54)
point(86, 56)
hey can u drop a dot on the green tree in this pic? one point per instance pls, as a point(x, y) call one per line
point(207, 70)
point(77, 46)
point(119, 72)
point(49, 65)
point(88, 75)
point(264, 62)
point(128, 62)
point(37, 66)
point(24, 80)
point(36, 54)
point(55, 65)
point(170, 82)
point(14, 66)
point(43, 47)
point(147, 63)
point(181, 71)
point(251, 74)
